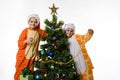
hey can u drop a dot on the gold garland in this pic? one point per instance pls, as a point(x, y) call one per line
point(61, 63)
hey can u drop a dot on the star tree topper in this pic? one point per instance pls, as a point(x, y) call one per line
point(53, 9)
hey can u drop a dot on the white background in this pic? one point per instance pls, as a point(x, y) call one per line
point(103, 16)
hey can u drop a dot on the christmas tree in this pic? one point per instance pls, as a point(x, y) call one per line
point(56, 62)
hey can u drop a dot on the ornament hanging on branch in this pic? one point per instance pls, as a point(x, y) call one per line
point(54, 22)
point(51, 54)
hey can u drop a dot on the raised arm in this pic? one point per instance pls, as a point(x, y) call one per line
point(82, 39)
point(42, 32)
point(88, 35)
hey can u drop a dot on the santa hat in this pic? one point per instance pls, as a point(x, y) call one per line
point(35, 16)
point(69, 25)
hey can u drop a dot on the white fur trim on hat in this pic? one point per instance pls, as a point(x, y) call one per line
point(69, 25)
point(35, 16)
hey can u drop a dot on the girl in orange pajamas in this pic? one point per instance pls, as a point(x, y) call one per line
point(77, 49)
point(28, 45)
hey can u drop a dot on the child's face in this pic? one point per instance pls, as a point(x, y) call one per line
point(32, 23)
point(69, 32)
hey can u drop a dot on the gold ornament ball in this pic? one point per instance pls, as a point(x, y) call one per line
point(45, 75)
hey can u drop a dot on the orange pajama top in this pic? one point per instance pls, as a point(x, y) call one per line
point(26, 53)
point(82, 39)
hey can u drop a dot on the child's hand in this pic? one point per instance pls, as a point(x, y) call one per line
point(90, 31)
point(28, 40)
point(37, 58)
